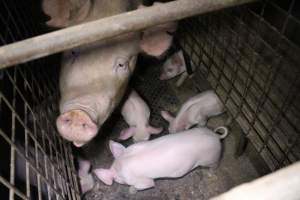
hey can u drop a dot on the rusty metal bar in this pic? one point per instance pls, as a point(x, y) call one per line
point(282, 184)
point(105, 28)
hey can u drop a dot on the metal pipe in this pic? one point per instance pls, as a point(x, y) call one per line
point(282, 184)
point(68, 38)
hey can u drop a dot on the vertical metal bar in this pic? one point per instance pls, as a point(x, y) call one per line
point(282, 31)
point(26, 154)
point(10, 16)
point(12, 151)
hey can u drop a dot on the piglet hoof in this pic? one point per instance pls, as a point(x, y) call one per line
point(126, 133)
point(132, 190)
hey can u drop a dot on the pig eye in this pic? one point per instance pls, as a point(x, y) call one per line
point(121, 64)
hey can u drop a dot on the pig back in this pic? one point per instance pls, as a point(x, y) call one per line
point(172, 155)
point(135, 111)
point(206, 102)
point(106, 8)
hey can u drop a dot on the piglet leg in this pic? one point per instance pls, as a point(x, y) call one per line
point(167, 116)
point(132, 190)
point(154, 130)
point(144, 183)
point(127, 133)
point(84, 167)
point(86, 179)
point(182, 78)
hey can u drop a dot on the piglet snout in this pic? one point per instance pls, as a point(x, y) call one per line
point(76, 126)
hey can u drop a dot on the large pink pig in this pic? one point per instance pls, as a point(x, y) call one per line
point(94, 77)
point(169, 156)
point(137, 113)
point(194, 111)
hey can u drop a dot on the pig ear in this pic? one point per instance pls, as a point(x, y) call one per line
point(105, 175)
point(154, 130)
point(65, 12)
point(167, 116)
point(116, 149)
point(157, 40)
point(127, 133)
point(178, 60)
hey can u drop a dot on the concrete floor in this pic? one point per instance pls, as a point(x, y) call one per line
point(201, 183)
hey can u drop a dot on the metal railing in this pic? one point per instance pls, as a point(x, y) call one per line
point(251, 61)
point(36, 163)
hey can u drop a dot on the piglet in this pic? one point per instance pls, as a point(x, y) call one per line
point(85, 177)
point(169, 156)
point(174, 66)
point(136, 113)
point(196, 110)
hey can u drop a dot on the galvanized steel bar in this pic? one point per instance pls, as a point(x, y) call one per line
point(105, 28)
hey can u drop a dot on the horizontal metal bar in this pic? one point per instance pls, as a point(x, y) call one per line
point(105, 28)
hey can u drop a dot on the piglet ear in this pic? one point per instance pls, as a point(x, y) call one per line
point(116, 149)
point(167, 116)
point(157, 40)
point(105, 175)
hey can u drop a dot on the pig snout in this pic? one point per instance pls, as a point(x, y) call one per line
point(76, 126)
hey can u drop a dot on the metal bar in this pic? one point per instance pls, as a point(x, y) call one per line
point(105, 28)
point(3, 181)
point(283, 184)
point(12, 148)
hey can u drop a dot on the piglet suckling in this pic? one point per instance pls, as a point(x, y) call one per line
point(137, 113)
point(194, 111)
point(169, 156)
point(85, 177)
